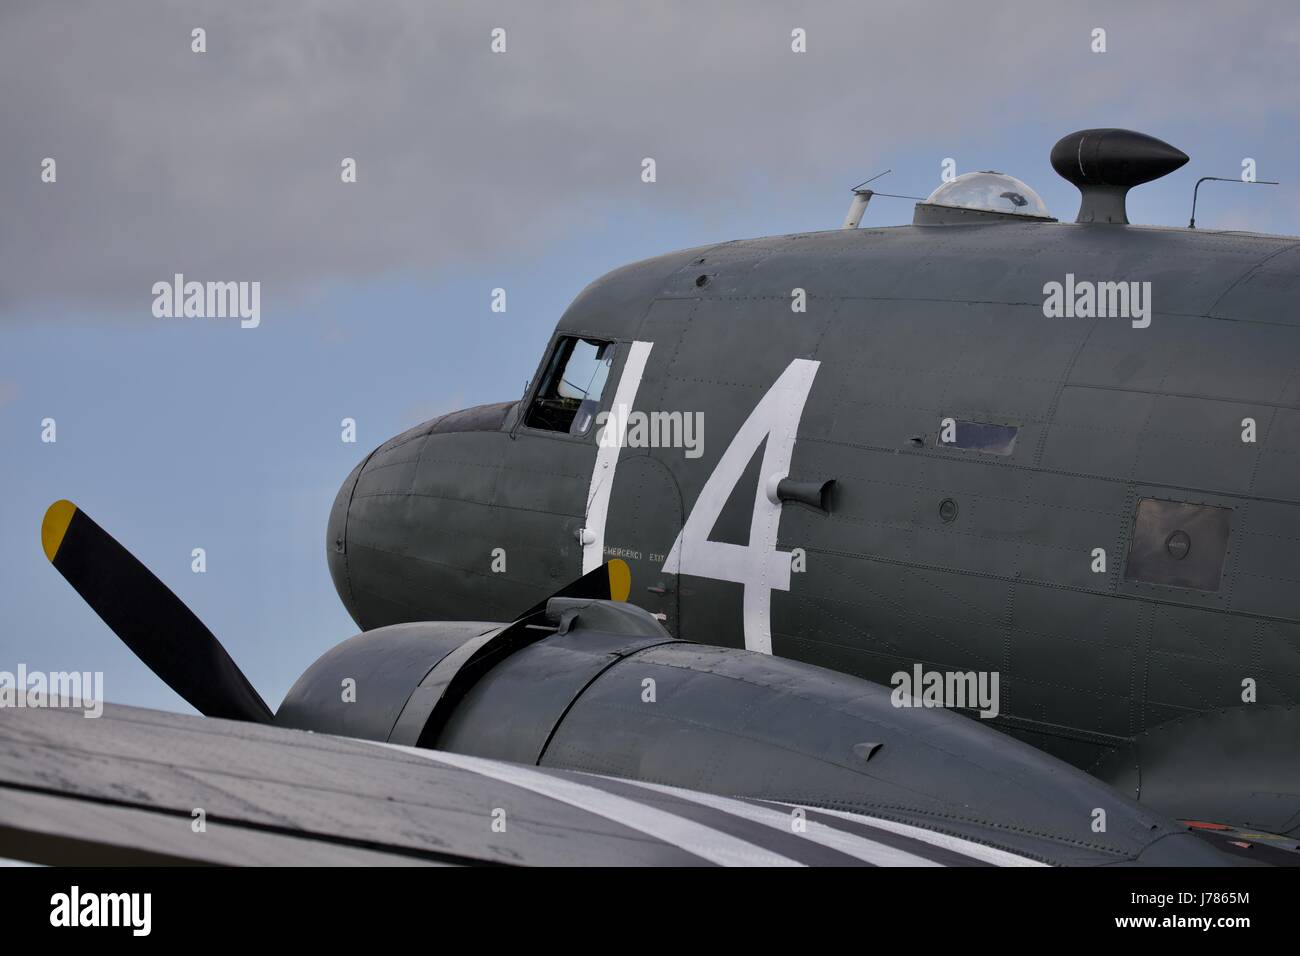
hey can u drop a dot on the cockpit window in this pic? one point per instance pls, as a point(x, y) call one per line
point(990, 192)
point(571, 388)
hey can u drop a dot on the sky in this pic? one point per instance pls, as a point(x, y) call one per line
point(475, 170)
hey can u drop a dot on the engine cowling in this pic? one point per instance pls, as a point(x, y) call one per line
point(600, 686)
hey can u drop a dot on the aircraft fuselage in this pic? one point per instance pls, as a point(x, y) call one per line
point(1101, 510)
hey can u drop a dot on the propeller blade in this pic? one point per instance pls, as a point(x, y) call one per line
point(612, 581)
point(147, 616)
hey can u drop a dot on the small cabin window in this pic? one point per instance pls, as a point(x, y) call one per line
point(978, 436)
point(571, 387)
point(1178, 544)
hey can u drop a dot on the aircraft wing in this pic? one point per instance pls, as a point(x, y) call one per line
point(320, 781)
point(131, 786)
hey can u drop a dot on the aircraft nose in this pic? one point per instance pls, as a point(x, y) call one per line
point(414, 522)
point(336, 541)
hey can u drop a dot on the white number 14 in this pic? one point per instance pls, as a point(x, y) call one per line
point(758, 565)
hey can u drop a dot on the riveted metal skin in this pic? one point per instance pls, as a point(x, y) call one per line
point(912, 325)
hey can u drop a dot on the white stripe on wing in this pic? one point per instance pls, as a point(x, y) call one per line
point(851, 844)
point(695, 838)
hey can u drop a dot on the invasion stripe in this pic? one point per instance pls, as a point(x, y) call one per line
point(721, 813)
point(971, 848)
point(695, 838)
point(842, 841)
point(938, 854)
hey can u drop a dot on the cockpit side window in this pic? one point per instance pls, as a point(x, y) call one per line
point(571, 386)
point(979, 436)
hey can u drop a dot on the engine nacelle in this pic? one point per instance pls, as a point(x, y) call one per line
point(359, 688)
point(600, 686)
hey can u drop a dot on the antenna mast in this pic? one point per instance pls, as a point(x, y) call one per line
point(1191, 224)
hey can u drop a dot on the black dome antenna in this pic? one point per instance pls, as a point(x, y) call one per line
point(1106, 163)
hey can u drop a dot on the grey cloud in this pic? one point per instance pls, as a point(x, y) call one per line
point(226, 164)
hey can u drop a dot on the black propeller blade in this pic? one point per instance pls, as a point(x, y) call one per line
point(148, 617)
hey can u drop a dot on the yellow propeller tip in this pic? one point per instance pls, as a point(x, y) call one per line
point(620, 580)
point(55, 525)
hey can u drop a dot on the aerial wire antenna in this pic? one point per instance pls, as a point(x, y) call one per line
point(1191, 224)
point(863, 196)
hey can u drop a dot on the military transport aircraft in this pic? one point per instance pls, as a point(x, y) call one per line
point(982, 558)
